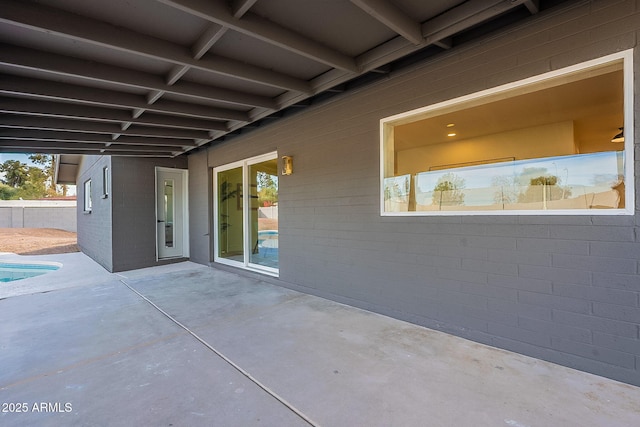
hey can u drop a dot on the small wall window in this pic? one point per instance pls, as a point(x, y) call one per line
point(560, 143)
point(87, 196)
point(105, 182)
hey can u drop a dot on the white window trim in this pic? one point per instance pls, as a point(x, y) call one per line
point(628, 67)
point(105, 182)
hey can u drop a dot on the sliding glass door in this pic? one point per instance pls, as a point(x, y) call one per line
point(246, 213)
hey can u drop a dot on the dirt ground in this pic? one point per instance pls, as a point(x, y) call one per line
point(267, 223)
point(37, 241)
point(47, 241)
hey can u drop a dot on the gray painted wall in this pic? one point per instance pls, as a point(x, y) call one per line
point(560, 288)
point(94, 229)
point(134, 211)
point(200, 187)
point(120, 231)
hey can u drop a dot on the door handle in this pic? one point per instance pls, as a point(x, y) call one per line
point(160, 220)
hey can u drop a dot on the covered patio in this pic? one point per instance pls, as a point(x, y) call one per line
point(185, 344)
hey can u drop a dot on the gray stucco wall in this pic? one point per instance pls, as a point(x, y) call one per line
point(94, 229)
point(560, 288)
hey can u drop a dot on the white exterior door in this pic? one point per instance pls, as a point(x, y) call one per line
point(171, 213)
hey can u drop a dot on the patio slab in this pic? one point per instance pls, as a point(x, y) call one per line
point(185, 344)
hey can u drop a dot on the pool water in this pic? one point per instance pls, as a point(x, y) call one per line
point(15, 271)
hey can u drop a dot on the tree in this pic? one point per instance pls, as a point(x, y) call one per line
point(46, 162)
point(34, 186)
point(6, 192)
point(267, 189)
point(448, 190)
point(29, 182)
point(506, 189)
point(543, 189)
point(15, 173)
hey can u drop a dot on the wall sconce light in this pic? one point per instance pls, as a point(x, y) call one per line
point(619, 137)
point(287, 165)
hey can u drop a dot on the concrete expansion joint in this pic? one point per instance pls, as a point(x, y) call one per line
point(235, 366)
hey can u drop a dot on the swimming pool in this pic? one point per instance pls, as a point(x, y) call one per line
point(10, 271)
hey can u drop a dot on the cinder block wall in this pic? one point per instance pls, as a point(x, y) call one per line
point(38, 214)
point(94, 229)
point(200, 211)
point(134, 210)
point(120, 231)
point(560, 288)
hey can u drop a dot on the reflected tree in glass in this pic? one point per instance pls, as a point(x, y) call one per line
point(448, 190)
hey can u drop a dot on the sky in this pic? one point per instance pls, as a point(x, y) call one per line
point(24, 158)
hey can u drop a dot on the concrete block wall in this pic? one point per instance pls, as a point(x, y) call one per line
point(120, 231)
point(134, 210)
point(95, 236)
point(561, 288)
point(200, 226)
point(38, 214)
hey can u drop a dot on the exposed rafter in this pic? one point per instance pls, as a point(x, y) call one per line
point(40, 108)
point(64, 24)
point(45, 123)
point(82, 145)
point(240, 7)
point(255, 26)
point(49, 63)
point(436, 31)
point(392, 17)
point(533, 6)
point(44, 135)
point(466, 15)
point(13, 85)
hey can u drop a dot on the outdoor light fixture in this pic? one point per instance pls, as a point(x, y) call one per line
point(287, 165)
point(619, 137)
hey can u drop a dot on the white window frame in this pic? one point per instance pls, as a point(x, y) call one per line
point(88, 205)
point(105, 182)
point(629, 121)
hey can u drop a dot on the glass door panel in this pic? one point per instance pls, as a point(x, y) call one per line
point(168, 213)
point(263, 214)
point(230, 214)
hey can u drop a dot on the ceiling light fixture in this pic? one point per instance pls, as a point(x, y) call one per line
point(451, 134)
point(619, 137)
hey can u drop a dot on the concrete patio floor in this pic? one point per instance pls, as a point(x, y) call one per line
point(188, 345)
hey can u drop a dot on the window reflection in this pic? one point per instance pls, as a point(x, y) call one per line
point(584, 181)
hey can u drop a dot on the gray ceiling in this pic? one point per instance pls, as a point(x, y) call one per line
point(163, 77)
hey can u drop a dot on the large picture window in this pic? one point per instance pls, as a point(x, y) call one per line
point(559, 143)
